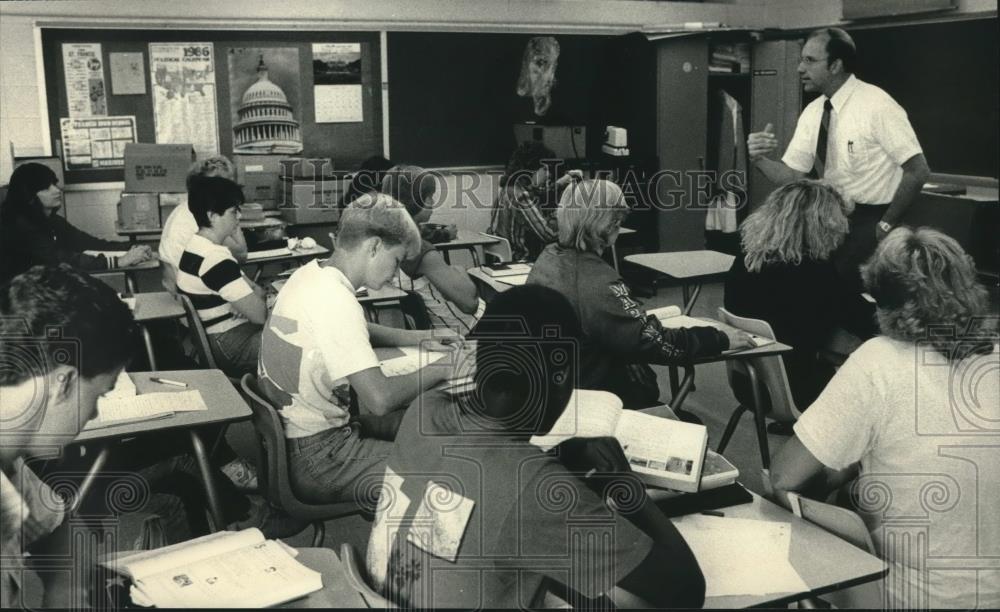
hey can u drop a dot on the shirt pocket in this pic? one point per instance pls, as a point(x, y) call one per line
point(860, 151)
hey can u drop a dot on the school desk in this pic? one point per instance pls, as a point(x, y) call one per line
point(282, 256)
point(691, 268)
point(374, 299)
point(488, 285)
point(152, 234)
point(129, 272)
point(156, 306)
point(225, 405)
point(468, 241)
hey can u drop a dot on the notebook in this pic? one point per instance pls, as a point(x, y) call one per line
point(123, 405)
point(222, 570)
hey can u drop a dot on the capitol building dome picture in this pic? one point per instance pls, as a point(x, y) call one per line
point(264, 122)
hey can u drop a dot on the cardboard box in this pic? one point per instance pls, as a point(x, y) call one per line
point(309, 194)
point(256, 164)
point(306, 168)
point(310, 215)
point(261, 188)
point(157, 168)
point(139, 211)
point(168, 202)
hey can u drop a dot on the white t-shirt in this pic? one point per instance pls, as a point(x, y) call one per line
point(177, 231)
point(926, 434)
point(316, 337)
point(869, 139)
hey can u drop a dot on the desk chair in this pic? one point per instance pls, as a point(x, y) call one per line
point(273, 479)
point(202, 349)
point(357, 576)
point(848, 526)
point(770, 393)
point(499, 252)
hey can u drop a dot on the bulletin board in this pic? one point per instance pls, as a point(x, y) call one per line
point(346, 142)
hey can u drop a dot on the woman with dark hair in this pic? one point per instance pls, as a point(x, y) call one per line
point(524, 212)
point(33, 233)
point(913, 412)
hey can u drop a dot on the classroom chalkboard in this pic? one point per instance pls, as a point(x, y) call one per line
point(346, 143)
point(453, 99)
point(945, 76)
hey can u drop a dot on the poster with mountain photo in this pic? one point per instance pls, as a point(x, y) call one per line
point(337, 82)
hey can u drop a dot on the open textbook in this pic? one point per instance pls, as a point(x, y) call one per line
point(671, 317)
point(662, 452)
point(228, 569)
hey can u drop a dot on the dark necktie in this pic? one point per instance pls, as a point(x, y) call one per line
point(819, 165)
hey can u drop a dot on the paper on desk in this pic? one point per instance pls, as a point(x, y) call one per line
point(409, 362)
point(145, 406)
point(516, 279)
point(279, 252)
point(741, 556)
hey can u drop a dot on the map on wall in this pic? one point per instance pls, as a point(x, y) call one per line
point(183, 82)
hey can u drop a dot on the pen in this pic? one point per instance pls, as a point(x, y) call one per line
point(166, 381)
point(713, 513)
point(591, 472)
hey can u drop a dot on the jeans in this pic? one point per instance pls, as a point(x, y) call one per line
point(338, 465)
point(236, 350)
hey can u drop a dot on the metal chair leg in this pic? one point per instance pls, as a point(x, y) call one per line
point(730, 428)
point(758, 416)
point(319, 532)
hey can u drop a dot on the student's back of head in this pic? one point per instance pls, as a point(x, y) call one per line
point(413, 187)
point(526, 360)
point(367, 178)
point(376, 215)
point(216, 165)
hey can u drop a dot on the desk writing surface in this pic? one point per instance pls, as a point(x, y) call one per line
point(156, 305)
point(337, 592)
point(685, 264)
point(825, 562)
point(223, 401)
point(293, 254)
point(385, 294)
point(465, 239)
point(493, 282)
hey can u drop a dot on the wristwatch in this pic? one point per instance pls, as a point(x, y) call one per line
point(885, 226)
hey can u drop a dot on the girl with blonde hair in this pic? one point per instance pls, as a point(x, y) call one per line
point(619, 339)
point(784, 276)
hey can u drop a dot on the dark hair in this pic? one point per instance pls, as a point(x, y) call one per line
point(25, 183)
point(367, 178)
point(55, 315)
point(411, 186)
point(839, 46)
point(525, 160)
point(524, 341)
point(212, 194)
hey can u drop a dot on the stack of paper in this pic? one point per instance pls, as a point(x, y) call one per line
point(516, 280)
point(741, 556)
point(122, 404)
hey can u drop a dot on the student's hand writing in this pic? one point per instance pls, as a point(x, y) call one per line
point(738, 339)
point(761, 144)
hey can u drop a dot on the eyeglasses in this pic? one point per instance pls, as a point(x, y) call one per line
point(805, 59)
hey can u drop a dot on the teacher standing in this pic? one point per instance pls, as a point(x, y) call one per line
point(854, 136)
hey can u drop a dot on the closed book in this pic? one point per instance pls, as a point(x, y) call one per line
point(510, 269)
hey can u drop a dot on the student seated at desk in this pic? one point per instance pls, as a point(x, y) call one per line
point(784, 276)
point(32, 232)
point(904, 410)
point(48, 395)
point(181, 225)
point(473, 516)
point(317, 349)
point(447, 296)
point(524, 210)
point(619, 340)
point(231, 308)
point(367, 178)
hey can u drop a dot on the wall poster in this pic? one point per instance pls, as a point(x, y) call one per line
point(91, 143)
point(84, 70)
point(265, 100)
point(337, 82)
point(183, 81)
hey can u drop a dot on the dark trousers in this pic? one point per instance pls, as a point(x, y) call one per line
point(859, 244)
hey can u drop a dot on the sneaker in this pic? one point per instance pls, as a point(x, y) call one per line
point(242, 473)
point(780, 428)
point(272, 522)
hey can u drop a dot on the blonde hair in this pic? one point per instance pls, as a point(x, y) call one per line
point(378, 215)
point(925, 288)
point(589, 212)
point(802, 219)
point(216, 165)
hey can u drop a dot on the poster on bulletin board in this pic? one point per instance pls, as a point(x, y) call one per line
point(84, 70)
point(337, 82)
point(184, 109)
point(264, 100)
point(91, 143)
